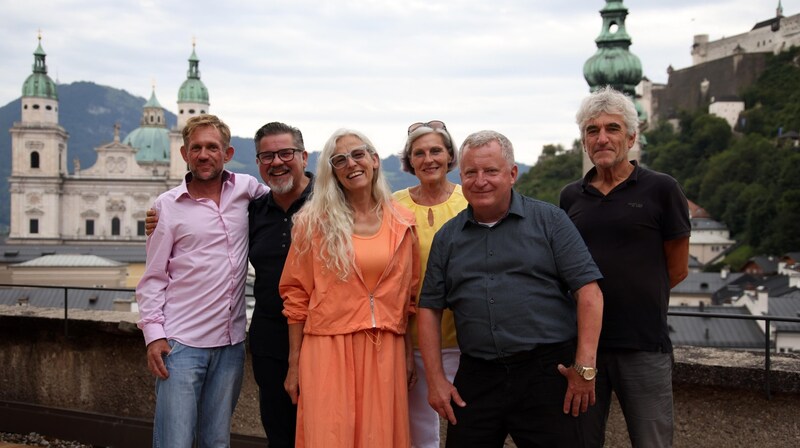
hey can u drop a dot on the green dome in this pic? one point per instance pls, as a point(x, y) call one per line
point(193, 90)
point(38, 83)
point(616, 67)
point(152, 143)
point(613, 64)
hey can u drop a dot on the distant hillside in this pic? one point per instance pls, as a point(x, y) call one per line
point(89, 111)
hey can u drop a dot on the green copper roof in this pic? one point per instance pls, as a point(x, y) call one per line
point(613, 64)
point(193, 90)
point(153, 101)
point(38, 83)
point(152, 143)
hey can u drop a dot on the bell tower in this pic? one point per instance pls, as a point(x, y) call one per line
point(38, 159)
point(614, 65)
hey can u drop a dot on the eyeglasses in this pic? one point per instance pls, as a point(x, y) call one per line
point(339, 161)
point(433, 124)
point(286, 155)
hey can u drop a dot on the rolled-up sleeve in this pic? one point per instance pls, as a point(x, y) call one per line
point(573, 260)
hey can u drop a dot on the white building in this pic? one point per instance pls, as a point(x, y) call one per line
point(104, 203)
point(772, 35)
point(709, 239)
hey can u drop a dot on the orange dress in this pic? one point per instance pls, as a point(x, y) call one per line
point(352, 368)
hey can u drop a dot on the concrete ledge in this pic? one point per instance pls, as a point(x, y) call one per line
point(736, 369)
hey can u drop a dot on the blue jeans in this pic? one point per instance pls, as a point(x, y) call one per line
point(198, 398)
point(642, 382)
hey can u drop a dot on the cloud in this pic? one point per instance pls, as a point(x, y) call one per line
point(374, 65)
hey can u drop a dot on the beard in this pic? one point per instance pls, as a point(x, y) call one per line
point(281, 186)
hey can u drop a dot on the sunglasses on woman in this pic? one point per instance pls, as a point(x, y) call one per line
point(433, 124)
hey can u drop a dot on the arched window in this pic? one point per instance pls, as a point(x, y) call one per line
point(35, 159)
point(115, 226)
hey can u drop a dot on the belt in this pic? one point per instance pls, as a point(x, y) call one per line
point(529, 354)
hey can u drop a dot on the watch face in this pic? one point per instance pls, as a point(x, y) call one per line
point(589, 373)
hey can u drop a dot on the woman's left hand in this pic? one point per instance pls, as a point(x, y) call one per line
point(411, 372)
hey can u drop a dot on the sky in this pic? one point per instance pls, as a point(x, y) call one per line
point(515, 66)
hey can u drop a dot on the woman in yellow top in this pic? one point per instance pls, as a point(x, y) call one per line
point(430, 154)
point(348, 285)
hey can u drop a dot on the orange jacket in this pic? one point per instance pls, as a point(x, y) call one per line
point(329, 306)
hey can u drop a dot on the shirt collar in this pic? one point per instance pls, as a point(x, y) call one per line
point(633, 177)
point(514, 208)
point(183, 191)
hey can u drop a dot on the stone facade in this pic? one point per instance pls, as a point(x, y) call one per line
point(102, 204)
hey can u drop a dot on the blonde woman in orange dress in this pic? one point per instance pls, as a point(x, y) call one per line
point(349, 285)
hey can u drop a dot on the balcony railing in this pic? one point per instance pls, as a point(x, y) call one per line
point(768, 320)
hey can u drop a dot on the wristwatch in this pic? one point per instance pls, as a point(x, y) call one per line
point(587, 373)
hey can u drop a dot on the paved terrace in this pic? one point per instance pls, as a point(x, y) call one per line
point(99, 368)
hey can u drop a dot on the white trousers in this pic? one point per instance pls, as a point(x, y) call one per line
point(424, 420)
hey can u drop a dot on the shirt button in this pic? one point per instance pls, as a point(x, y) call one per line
point(283, 245)
point(491, 300)
point(491, 253)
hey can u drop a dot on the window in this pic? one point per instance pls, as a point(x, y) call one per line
point(35, 159)
point(140, 228)
point(33, 226)
point(115, 227)
point(90, 227)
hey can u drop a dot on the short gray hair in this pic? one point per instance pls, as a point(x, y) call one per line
point(609, 101)
point(483, 138)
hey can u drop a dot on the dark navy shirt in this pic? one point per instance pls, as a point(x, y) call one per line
point(509, 285)
point(625, 231)
point(270, 238)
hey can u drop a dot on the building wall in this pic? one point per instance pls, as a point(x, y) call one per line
point(763, 39)
point(102, 277)
point(729, 110)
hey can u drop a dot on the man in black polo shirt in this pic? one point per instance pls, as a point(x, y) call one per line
point(282, 159)
point(636, 224)
point(523, 290)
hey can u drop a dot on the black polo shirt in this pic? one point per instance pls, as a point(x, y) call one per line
point(625, 231)
point(270, 238)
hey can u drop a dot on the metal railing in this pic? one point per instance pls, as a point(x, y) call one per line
point(767, 340)
point(66, 290)
point(767, 319)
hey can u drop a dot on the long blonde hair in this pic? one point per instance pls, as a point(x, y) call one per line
point(327, 213)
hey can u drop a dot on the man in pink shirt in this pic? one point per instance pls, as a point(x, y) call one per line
point(191, 296)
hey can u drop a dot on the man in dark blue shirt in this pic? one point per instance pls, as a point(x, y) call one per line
point(636, 224)
point(523, 290)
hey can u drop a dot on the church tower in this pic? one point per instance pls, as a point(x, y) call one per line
point(613, 64)
point(192, 101)
point(38, 159)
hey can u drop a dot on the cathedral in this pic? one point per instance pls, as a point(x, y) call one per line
point(103, 204)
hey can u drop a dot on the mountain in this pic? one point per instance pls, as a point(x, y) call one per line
point(88, 112)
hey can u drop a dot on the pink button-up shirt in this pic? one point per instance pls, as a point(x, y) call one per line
point(192, 289)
